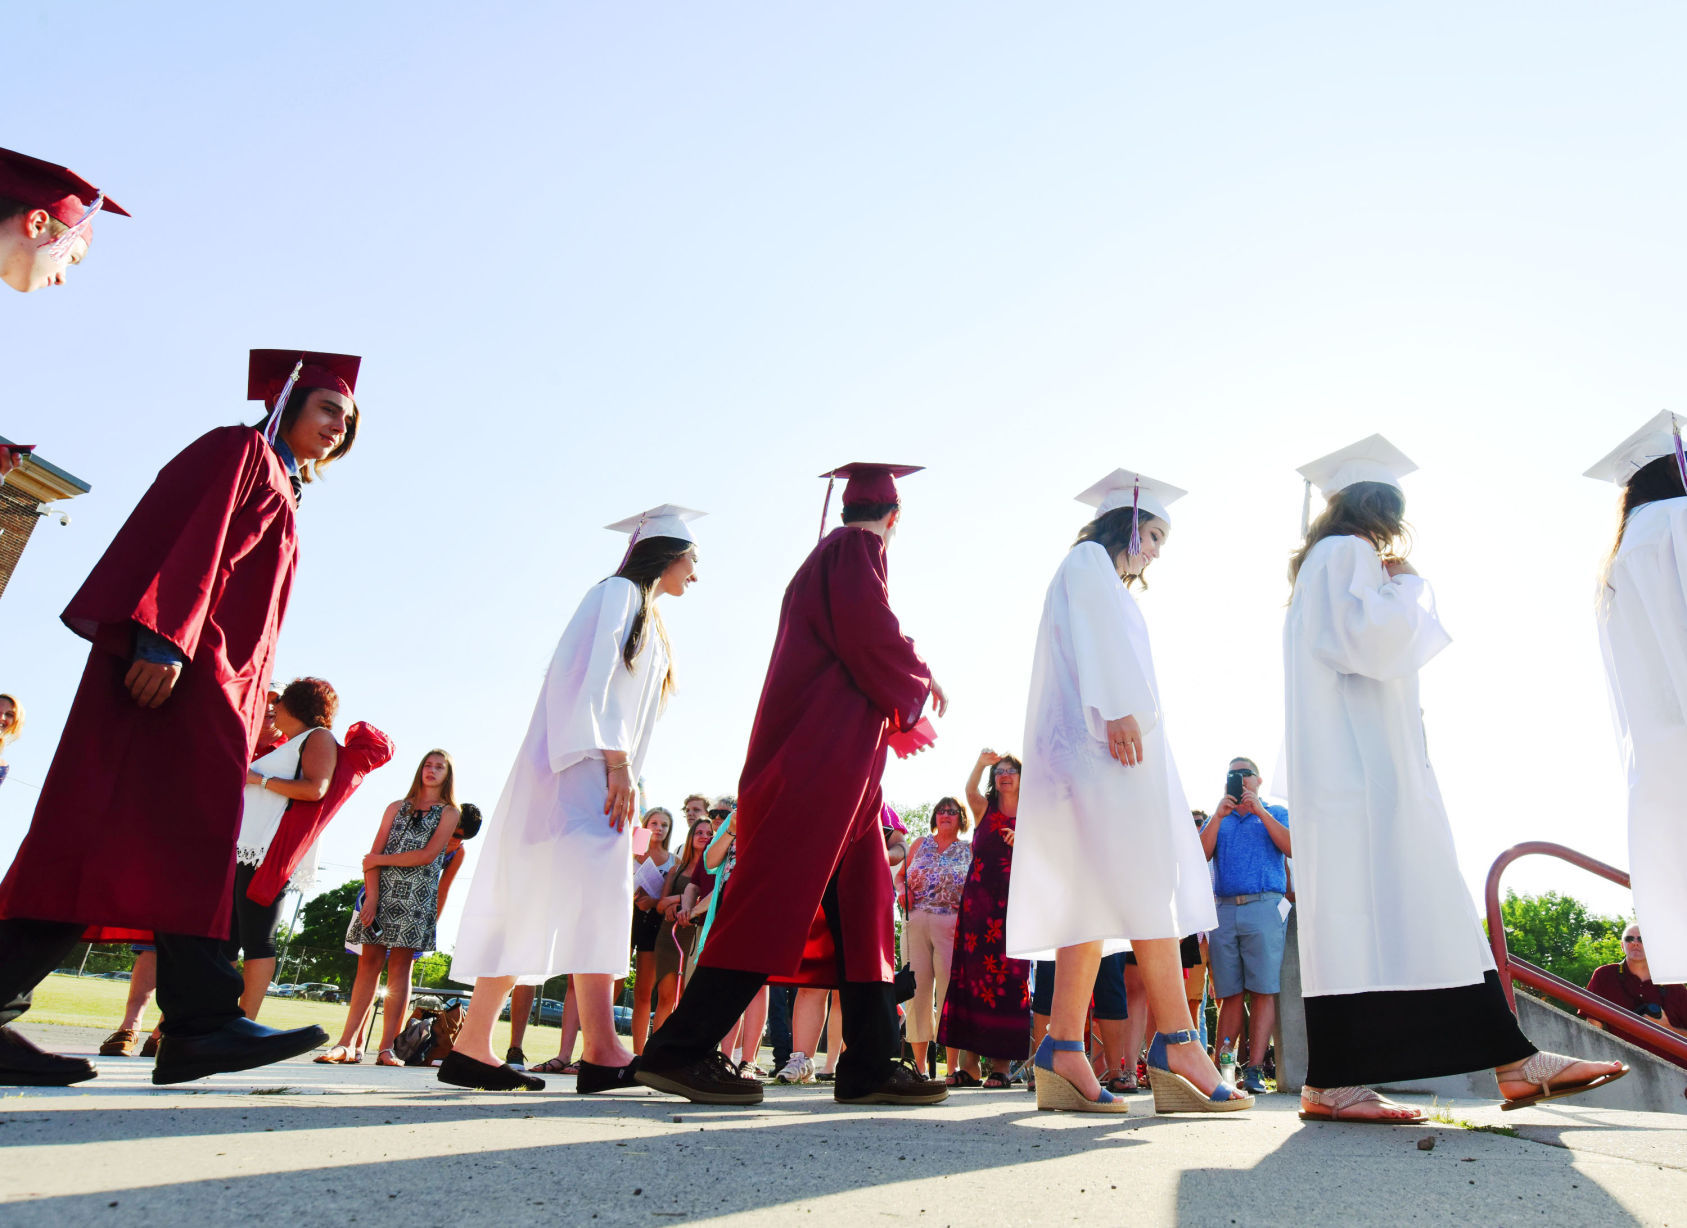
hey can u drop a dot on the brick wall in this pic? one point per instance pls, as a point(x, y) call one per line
point(17, 521)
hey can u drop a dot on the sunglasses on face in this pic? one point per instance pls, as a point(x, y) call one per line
point(947, 810)
point(1007, 771)
point(719, 814)
point(1633, 939)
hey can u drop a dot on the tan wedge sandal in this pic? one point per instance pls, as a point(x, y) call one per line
point(1056, 1092)
point(1175, 1094)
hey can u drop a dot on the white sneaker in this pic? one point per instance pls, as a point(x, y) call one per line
point(800, 1069)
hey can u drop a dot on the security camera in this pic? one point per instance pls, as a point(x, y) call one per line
point(64, 520)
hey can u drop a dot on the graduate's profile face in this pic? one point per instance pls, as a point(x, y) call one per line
point(1153, 533)
point(27, 261)
point(678, 575)
point(321, 425)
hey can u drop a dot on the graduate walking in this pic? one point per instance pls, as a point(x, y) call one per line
point(1642, 611)
point(553, 890)
point(1100, 789)
point(1399, 981)
point(137, 820)
point(810, 900)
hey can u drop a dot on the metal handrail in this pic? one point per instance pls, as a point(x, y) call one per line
point(1625, 1023)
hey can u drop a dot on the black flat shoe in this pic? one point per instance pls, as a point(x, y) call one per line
point(462, 1071)
point(239, 1044)
point(25, 1064)
point(595, 1078)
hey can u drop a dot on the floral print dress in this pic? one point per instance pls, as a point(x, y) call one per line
point(988, 1008)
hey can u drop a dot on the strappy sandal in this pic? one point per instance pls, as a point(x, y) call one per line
point(962, 1078)
point(386, 1057)
point(1175, 1094)
point(997, 1081)
point(1541, 1068)
point(345, 1057)
point(1121, 1086)
point(1056, 1092)
point(1340, 1099)
point(553, 1066)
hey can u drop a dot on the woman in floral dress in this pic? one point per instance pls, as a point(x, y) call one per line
point(988, 1009)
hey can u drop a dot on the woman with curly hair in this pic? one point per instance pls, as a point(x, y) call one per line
point(987, 1012)
point(298, 769)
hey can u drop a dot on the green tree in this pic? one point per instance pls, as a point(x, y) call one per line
point(1561, 934)
point(917, 819)
point(319, 944)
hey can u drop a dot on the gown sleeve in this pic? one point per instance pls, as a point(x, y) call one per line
point(586, 708)
point(1366, 623)
point(879, 658)
point(1112, 681)
point(160, 571)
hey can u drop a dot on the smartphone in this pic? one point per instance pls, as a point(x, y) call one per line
point(641, 841)
point(1233, 784)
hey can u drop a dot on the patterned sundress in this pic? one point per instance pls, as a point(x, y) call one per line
point(406, 906)
point(988, 1008)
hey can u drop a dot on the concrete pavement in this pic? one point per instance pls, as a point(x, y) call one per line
point(300, 1143)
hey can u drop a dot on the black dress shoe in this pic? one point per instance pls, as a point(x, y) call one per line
point(24, 1064)
point(595, 1078)
point(462, 1071)
point(904, 1085)
point(239, 1044)
point(708, 1080)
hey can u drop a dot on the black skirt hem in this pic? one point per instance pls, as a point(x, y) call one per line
point(1400, 1036)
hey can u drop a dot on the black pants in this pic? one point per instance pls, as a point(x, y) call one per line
point(198, 990)
point(714, 998)
point(781, 1001)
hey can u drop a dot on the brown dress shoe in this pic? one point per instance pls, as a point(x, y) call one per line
point(708, 1080)
point(150, 1049)
point(904, 1085)
point(125, 1042)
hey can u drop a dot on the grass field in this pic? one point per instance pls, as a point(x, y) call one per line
point(86, 1002)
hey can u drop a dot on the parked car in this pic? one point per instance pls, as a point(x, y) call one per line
point(624, 1020)
point(319, 992)
point(550, 1012)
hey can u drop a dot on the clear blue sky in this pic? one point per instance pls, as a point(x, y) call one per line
point(601, 256)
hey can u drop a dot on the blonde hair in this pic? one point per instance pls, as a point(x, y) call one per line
point(17, 721)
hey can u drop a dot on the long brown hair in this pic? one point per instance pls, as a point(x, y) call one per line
point(447, 788)
point(644, 565)
point(1374, 511)
point(993, 798)
point(1652, 483)
point(692, 857)
point(296, 401)
point(1112, 532)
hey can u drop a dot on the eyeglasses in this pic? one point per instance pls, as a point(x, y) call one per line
point(946, 810)
point(719, 814)
point(1631, 938)
point(1007, 771)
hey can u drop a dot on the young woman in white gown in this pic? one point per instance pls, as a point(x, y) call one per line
point(1398, 979)
point(1643, 637)
point(553, 890)
point(1099, 788)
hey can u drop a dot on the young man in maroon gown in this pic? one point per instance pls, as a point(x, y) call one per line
point(811, 900)
point(137, 820)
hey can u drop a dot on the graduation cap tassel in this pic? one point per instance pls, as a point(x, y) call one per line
point(1136, 519)
point(826, 507)
point(59, 248)
point(632, 541)
point(273, 426)
point(1680, 455)
point(1306, 511)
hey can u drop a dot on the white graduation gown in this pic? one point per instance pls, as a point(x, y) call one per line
point(553, 889)
point(1382, 903)
point(1083, 814)
point(1643, 636)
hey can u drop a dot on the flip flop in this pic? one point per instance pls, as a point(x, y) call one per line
point(1542, 1068)
point(346, 1058)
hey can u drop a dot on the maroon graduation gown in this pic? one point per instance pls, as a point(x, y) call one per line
point(137, 819)
point(842, 679)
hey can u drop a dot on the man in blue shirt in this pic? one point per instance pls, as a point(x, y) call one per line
point(1247, 842)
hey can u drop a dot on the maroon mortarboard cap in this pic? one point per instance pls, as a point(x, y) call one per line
point(63, 193)
point(269, 370)
point(871, 483)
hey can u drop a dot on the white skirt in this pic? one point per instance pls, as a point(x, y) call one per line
point(553, 889)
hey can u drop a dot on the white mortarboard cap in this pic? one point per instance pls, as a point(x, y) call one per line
point(1370, 460)
point(1658, 438)
point(668, 520)
point(1122, 486)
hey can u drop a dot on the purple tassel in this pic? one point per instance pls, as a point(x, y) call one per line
point(825, 507)
point(273, 426)
point(1680, 456)
point(1136, 519)
point(633, 541)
